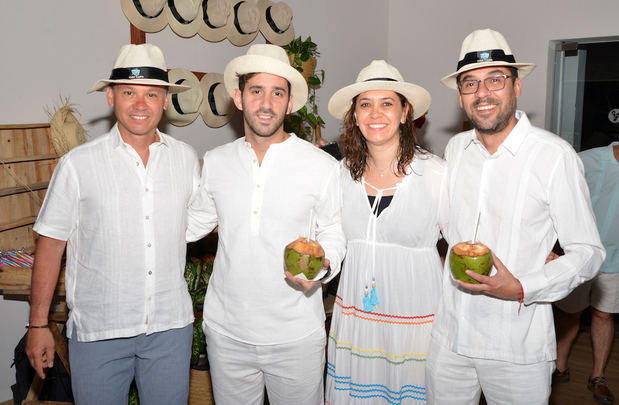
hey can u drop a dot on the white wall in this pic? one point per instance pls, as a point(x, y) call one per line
point(425, 39)
point(61, 47)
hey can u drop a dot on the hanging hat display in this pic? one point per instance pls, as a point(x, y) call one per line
point(214, 18)
point(146, 15)
point(243, 22)
point(276, 22)
point(183, 108)
point(217, 106)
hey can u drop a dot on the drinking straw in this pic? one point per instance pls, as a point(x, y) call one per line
point(310, 225)
point(476, 225)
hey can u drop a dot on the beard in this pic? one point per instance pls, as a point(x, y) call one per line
point(502, 120)
point(251, 118)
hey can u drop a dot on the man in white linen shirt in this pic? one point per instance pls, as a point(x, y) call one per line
point(119, 205)
point(264, 327)
point(527, 187)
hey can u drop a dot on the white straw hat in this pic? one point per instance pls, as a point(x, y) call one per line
point(184, 16)
point(139, 64)
point(379, 75)
point(214, 18)
point(183, 108)
point(484, 48)
point(243, 22)
point(147, 15)
point(267, 58)
point(276, 22)
point(217, 106)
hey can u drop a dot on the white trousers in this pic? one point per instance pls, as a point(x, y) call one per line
point(291, 372)
point(455, 379)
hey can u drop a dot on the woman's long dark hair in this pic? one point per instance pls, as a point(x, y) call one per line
point(355, 149)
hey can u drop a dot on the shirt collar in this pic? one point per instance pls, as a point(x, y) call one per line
point(117, 140)
point(515, 138)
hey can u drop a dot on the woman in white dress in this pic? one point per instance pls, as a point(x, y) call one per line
point(389, 287)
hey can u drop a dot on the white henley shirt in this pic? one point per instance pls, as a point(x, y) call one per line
point(260, 208)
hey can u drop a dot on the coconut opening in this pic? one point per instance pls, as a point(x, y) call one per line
point(470, 249)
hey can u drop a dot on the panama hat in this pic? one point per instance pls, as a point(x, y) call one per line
point(276, 22)
point(243, 22)
point(379, 75)
point(217, 106)
point(214, 18)
point(147, 15)
point(267, 58)
point(183, 108)
point(139, 64)
point(184, 16)
point(484, 48)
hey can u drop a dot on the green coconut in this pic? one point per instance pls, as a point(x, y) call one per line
point(472, 256)
point(304, 256)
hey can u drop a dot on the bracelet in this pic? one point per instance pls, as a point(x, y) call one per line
point(521, 298)
point(46, 326)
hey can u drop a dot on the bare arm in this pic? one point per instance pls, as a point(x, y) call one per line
point(40, 342)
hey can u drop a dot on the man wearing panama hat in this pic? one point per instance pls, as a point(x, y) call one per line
point(119, 205)
point(264, 327)
point(525, 189)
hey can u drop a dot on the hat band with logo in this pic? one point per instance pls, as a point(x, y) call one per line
point(492, 55)
point(144, 72)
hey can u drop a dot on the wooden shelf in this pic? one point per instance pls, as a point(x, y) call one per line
point(23, 189)
point(16, 281)
point(17, 223)
point(28, 158)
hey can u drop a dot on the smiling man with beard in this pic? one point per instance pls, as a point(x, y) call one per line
point(263, 326)
point(525, 188)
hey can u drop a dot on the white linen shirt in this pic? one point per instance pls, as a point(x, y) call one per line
point(602, 174)
point(125, 229)
point(531, 191)
point(259, 210)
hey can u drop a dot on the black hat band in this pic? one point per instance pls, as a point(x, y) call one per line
point(237, 24)
point(138, 7)
point(211, 100)
point(491, 55)
point(271, 22)
point(175, 103)
point(143, 72)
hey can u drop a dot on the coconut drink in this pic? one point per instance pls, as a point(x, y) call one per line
point(474, 256)
point(304, 256)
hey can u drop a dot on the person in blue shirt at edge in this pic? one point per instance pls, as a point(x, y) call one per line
point(527, 188)
point(263, 326)
point(601, 293)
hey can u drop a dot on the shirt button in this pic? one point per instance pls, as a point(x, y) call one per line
point(150, 298)
point(257, 185)
point(254, 160)
point(150, 272)
point(146, 189)
point(255, 212)
point(148, 245)
point(137, 163)
point(147, 217)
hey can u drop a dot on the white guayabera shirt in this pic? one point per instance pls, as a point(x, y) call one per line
point(529, 193)
point(125, 229)
point(259, 210)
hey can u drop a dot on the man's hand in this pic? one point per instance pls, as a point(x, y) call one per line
point(502, 285)
point(304, 284)
point(40, 349)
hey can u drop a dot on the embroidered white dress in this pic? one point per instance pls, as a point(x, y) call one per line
point(376, 354)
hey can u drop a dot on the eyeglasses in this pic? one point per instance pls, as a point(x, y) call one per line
point(494, 83)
